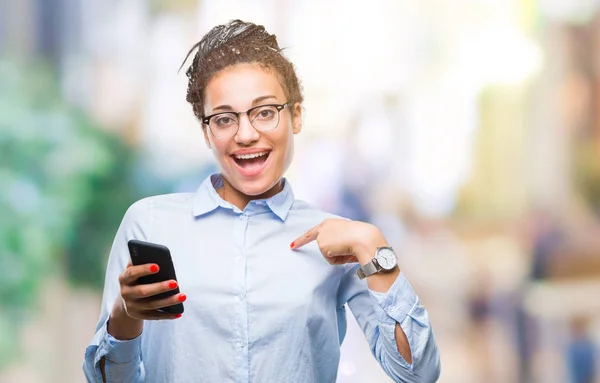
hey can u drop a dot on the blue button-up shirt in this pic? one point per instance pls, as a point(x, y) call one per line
point(256, 311)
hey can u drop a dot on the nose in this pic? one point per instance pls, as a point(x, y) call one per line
point(246, 133)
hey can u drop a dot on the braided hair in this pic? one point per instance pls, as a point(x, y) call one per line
point(234, 43)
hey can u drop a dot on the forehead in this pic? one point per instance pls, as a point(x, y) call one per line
point(239, 85)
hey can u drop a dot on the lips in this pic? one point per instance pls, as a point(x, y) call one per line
point(251, 163)
point(250, 156)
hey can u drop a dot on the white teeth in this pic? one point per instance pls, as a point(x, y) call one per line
point(248, 156)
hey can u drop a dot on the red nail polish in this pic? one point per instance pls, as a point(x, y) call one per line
point(154, 268)
point(181, 298)
point(172, 284)
point(178, 316)
point(292, 245)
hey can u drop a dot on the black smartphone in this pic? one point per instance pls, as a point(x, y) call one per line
point(145, 252)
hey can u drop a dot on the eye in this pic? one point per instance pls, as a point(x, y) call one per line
point(224, 120)
point(266, 113)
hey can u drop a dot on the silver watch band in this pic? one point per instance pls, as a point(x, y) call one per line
point(366, 270)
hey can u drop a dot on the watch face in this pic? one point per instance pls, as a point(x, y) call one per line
point(386, 258)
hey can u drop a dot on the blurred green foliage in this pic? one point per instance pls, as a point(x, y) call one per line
point(65, 186)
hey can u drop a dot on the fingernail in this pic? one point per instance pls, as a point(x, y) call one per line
point(172, 284)
point(292, 245)
point(181, 298)
point(178, 316)
point(154, 268)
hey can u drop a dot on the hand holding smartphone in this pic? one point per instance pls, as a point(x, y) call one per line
point(145, 252)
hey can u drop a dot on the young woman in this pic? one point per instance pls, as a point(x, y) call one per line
point(265, 278)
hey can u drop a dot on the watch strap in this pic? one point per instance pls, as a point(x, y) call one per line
point(367, 269)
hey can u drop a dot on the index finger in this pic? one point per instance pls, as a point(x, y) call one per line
point(132, 273)
point(308, 237)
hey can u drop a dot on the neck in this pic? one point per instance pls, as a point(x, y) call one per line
point(240, 200)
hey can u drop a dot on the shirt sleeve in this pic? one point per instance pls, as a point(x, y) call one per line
point(377, 315)
point(123, 359)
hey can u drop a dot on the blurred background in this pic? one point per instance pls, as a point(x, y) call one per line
point(468, 130)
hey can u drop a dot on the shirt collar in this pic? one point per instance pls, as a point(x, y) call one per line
point(207, 199)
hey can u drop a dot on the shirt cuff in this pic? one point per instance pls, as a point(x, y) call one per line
point(120, 351)
point(399, 300)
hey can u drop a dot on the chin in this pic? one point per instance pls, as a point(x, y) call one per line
point(256, 188)
point(250, 187)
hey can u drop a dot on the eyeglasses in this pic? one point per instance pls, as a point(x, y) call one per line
point(263, 118)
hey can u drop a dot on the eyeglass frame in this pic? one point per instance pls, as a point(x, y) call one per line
point(279, 107)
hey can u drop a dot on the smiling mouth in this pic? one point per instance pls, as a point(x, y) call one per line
point(249, 160)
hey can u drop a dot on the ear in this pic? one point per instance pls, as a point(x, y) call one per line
point(206, 138)
point(297, 121)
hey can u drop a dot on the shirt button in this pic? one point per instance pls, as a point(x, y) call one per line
point(243, 216)
point(242, 344)
point(241, 296)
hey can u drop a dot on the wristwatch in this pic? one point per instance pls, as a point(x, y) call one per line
point(384, 261)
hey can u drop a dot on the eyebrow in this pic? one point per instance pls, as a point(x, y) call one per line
point(255, 102)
